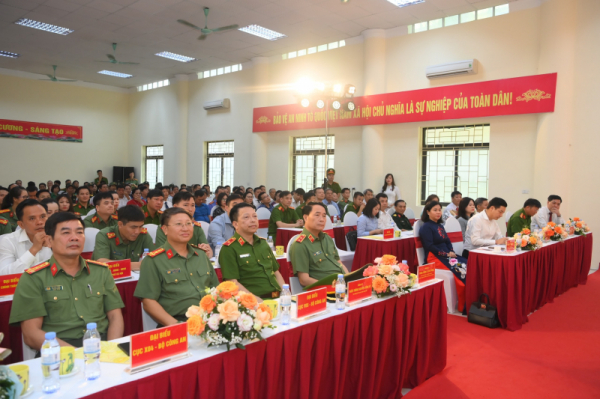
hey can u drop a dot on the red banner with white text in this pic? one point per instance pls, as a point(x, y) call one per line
point(40, 131)
point(523, 95)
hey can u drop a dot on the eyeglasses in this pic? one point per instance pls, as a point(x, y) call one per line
point(182, 225)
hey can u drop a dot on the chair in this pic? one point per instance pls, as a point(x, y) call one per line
point(147, 321)
point(328, 227)
point(28, 353)
point(295, 286)
point(289, 246)
point(350, 219)
point(205, 226)
point(507, 216)
point(90, 242)
point(332, 210)
point(410, 214)
point(91, 212)
point(391, 211)
point(152, 228)
point(418, 244)
point(263, 222)
point(454, 234)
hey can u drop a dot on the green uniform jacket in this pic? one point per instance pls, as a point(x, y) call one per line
point(351, 208)
point(198, 238)
point(110, 245)
point(253, 265)
point(517, 222)
point(342, 204)
point(104, 180)
point(11, 216)
point(5, 227)
point(402, 221)
point(316, 256)
point(81, 211)
point(174, 281)
point(96, 222)
point(280, 214)
point(149, 219)
point(132, 181)
point(335, 187)
point(67, 303)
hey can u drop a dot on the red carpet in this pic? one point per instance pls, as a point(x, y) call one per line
point(555, 355)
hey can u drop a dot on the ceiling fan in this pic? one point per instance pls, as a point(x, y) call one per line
point(113, 60)
point(53, 77)
point(205, 31)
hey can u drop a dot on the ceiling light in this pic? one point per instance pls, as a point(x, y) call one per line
point(320, 104)
point(115, 74)
point(176, 57)
point(350, 89)
point(265, 33)
point(9, 54)
point(336, 104)
point(43, 26)
point(305, 102)
point(349, 106)
point(404, 3)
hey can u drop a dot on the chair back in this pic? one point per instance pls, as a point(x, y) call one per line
point(263, 222)
point(452, 227)
point(350, 219)
point(409, 213)
point(507, 216)
point(205, 226)
point(391, 211)
point(147, 321)
point(90, 239)
point(295, 286)
point(329, 227)
point(418, 243)
point(91, 212)
point(289, 246)
point(332, 210)
point(152, 228)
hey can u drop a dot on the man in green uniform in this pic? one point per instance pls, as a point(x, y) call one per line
point(185, 200)
point(132, 180)
point(357, 205)
point(127, 240)
point(399, 218)
point(100, 179)
point(67, 292)
point(344, 199)
point(521, 219)
point(104, 216)
point(5, 227)
point(308, 198)
point(82, 207)
point(175, 275)
point(284, 215)
point(335, 187)
point(152, 210)
point(246, 259)
point(17, 195)
point(313, 254)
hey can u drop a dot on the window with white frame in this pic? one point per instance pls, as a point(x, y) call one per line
point(219, 163)
point(154, 164)
point(308, 158)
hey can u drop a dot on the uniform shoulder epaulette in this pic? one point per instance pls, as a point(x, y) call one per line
point(95, 262)
point(3, 221)
point(36, 268)
point(111, 234)
point(197, 224)
point(229, 242)
point(160, 212)
point(291, 207)
point(301, 238)
point(394, 215)
point(280, 208)
point(156, 252)
point(144, 230)
point(5, 210)
point(115, 217)
point(94, 218)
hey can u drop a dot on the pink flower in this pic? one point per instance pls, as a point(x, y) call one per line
point(377, 260)
point(193, 311)
point(370, 271)
point(404, 269)
point(402, 280)
point(453, 261)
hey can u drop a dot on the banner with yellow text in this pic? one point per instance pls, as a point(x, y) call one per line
point(524, 95)
point(40, 131)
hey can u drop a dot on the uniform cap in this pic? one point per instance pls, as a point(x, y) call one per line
point(331, 170)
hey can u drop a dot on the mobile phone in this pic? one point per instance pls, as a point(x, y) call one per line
point(124, 346)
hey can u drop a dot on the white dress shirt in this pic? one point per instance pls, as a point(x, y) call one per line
point(542, 218)
point(384, 220)
point(166, 205)
point(123, 202)
point(447, 212)
point(392, 194)
point(15, 256)
point(481, 232)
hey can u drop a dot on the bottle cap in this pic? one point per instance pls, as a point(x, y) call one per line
point(219, 243)
point(286, 286)
point(146, 250)
point(91, 326)
point(50, 335)
point(340, 276)
point(405, 262)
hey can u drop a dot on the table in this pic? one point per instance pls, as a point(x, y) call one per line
point(403, 248)
point(519, 284)
point(285, 268)
point(132, 316)
point(370, 350)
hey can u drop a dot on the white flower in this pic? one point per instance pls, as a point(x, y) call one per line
point(396, 268)
point(393, 287)
point(257, 325)
point(245, 322)
point(213, 322)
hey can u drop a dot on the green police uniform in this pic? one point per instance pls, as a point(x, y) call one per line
point(342, 204)
point(351, 208)
point(316, 256)
point(198, 238)
point(111, 245)
point(253, 265)
point(401, 221)
point(96, 222)
point(335, 187)
point(175, 282)
point(11, 216)
point(280, 214)
point(5, 227)
point(149, 219)
point(517, 222)
point(97, 181)
point(67, 303)
point(299, 211)
point(132, 181)
point(80, 210)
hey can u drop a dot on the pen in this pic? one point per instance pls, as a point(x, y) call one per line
point(90, 287)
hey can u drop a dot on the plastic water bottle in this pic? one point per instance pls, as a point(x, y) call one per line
point(146, 252)
point(91, 352)
point(405, 262)
point(271, 244)
point(340, 293)
point(50, 363)
point(286, 304)
point(534, 227)
point(393, 226)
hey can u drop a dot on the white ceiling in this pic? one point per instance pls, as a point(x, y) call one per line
point(143, 28)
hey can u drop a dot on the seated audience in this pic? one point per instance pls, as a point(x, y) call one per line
point(298, 196)
point(368, 193)
point(385, 219)
point(249, 198)
point(104, 216)
point(481, 204)
point(313, 254)
point(166, 198)
point(64, 203)
point(51, 204)
point(54, 191)
point(83, 206)
point(67, 292)
point(71, 191)
point(330, 201)
point(175, 275)
point(202, 211)
point(145, 190)
point(123, 198)
point(136, 198)
point(221, 228)
point(521, 219)
point(430, 198)
point(15, 196)
point(28, 246)
point(265, 202)
point(213, 201)
point(42, 186)
point(482, 229)
point(257, 192)
point(128, 192)
point(357, 206)
point(221, 206)
point(466, 210)
point(438, 249)
point(283, 215)
point(546, 214)
point(399, 218)
point(367, 224)
point(152, 209)
point(32, 191)
point(131, 179)
point(42, 195)
point(100, 179)
point(452, 208)
point(246, 259)
point(307, 197)
point(3, 193)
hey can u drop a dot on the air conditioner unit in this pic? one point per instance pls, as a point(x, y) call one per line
point(224, 103)
point(466, 67)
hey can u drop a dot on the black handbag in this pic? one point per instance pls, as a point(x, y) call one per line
point(352, 238)
point(483, 313)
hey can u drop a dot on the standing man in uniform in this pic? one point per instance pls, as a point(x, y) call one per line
point(330, 183)
point(67, 292)
point(127, 240)
point(152, 208)
point(100, 179)
point(313, 254)
point(247, 260)
point(104, 216)
point(284, 215)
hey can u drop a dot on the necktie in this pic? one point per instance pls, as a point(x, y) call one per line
point(550, 218)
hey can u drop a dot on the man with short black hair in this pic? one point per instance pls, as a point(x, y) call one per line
point(264, 202)
point(19, 183)
point(104, 216)
point(308, 197)
point(221, 228)
point(345, 199)
point(213, 203)
point(42, 195)
point(166, 198)
point(32, 192)
point(298, 197)
point(357, 205)
point(202, 211)
point(329, 200)
point(482, 229)
point(123, 200)
point(100, 179)
point(152, 209)
point(42, 186)
point(521, 219)
point(368, 193)
point(283, 215)
point(399, 218)
point(145, 189)
point(452, 208)
point(548, 213)
point(385, 220)
point(76, 184)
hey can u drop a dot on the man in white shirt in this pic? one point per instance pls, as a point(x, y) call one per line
point(452, 208)
point(27, 246)
point(385, 220)
point(482, 229)
point(298, 197)
point(167, 202)
point(123, 200)
point(548, 213)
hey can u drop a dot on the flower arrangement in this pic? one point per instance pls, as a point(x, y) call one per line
point(529, 241)
point(580, 227)
point(227, 316)
point(554, 232)
point(390, 278)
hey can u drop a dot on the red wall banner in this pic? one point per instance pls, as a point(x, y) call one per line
point(523, 95)
point(40, 131)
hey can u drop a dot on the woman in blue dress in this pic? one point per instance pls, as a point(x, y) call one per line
point(367, 223)
point(439, 251)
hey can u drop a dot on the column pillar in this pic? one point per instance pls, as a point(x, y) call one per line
point(180, 144)
point(259, 140)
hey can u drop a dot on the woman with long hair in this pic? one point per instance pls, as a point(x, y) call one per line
point(466, 210)
point(391, 190)
point(136, 198)
point(64, 203)
point(15, 196)
point(367, 223)
point(219, 209)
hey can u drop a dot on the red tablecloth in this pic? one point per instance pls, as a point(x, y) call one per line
point(284, 236)
point(370, 352)
point(285, 268)
point(367, 250)
point(132, 316)
point(519, 285)
point(340, 236)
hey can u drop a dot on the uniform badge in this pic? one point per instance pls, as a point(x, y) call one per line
point(36, 268)
point(144, 231)
point(115, 217)
point(146, 214)
point(317, 253)
point(111, 235)
point(173, 271)
point(244, 255)
point(117, 241)
point(241, 241)
point(156, 252)
point(280, 208)
point(229, 242)
point(94, 219)
point(54, 270)
point(54, 288)
point(311, 238)
point(3, 221)
point(198, 224)
point(170, 254)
